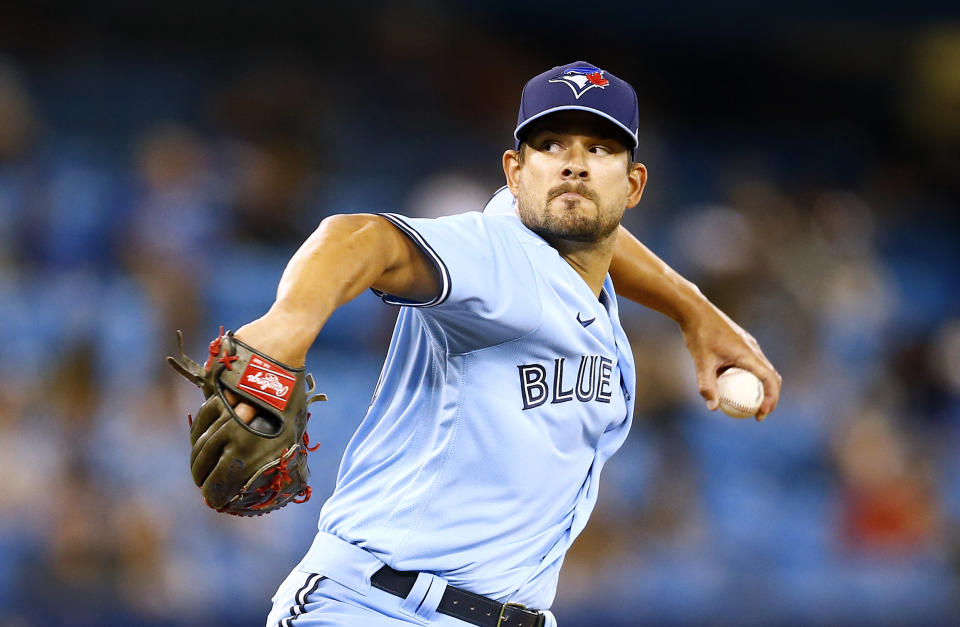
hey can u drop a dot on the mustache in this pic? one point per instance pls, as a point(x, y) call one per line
point(579, 188)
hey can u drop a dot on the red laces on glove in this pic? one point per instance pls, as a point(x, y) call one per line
point(214, 350)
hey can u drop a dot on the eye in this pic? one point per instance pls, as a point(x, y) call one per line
point(551, 146)
point(600, 150)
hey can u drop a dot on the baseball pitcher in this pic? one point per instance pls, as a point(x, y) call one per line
point(508, 383)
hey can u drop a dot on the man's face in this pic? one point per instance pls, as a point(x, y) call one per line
point(573, 182)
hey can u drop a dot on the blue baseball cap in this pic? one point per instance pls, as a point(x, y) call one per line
point(580, 86)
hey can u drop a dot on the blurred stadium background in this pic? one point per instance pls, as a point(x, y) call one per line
point(158, 165)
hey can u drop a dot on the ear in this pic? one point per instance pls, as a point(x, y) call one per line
point(511, 170)
point(636, 181)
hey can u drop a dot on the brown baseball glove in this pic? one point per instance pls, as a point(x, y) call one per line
point(256, 468)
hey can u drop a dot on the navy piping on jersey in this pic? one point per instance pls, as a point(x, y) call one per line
point(438, 262)
point(502, 187)
point(309, 587)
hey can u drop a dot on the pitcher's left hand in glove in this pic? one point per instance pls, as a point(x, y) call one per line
point(256, 468)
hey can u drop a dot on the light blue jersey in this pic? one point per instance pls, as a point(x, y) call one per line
point(499, 402)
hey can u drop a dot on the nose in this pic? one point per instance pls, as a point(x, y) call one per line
point(576, 165)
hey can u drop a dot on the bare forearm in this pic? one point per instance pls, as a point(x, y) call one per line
point(346, 255)
point(334, 265)
point(644, 278)
point(714, 340)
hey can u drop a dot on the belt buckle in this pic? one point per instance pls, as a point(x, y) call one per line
point(504, 607)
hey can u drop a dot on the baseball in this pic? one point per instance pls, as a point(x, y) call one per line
point(741, 393)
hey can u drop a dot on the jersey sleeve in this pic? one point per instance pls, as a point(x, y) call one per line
point(488, 291)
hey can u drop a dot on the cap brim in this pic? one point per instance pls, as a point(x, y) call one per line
point(526, 123)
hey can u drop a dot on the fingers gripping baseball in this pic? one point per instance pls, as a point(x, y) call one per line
point(717, 343)
point(707, 384)
point(772, 381)
point(761, 368)
point(758, 364)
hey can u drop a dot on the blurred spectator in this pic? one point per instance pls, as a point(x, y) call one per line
point(18, 123)
point(272, 114)
point(888, 508)
point(270, 185)
point(18, 129)
point(175, 226)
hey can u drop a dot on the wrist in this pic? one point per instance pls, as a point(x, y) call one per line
point(300, 325)
point(284, 333)
point(689, 307)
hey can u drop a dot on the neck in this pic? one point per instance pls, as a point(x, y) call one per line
point(591, 260)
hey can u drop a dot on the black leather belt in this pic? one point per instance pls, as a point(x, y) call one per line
point(461, 604)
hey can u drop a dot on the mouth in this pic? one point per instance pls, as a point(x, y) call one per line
point(571, 195)
point(572, 201)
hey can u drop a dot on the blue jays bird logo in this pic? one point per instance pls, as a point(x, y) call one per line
point(581, 79)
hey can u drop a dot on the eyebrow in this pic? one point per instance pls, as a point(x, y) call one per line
point(593, 132)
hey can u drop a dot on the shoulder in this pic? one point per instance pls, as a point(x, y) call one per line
point(470, 226)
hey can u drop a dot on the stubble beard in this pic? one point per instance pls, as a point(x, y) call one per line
point(568, 224)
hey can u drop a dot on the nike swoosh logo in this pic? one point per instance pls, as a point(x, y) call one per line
point(585, 323)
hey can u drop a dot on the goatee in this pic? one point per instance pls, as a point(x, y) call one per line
point(569, 225)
